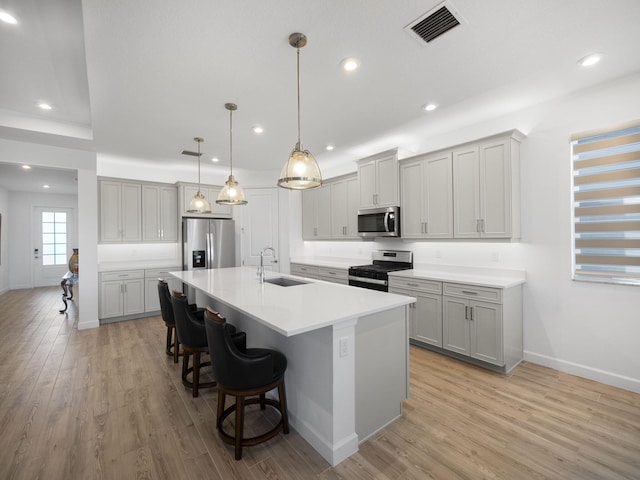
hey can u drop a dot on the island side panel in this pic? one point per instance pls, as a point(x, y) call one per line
point(382, 369)
point(320, 412)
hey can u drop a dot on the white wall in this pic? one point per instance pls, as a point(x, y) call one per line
point(590, 330)
point(4, 241)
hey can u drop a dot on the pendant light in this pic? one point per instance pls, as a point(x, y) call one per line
point(198, 203)
point(231, 193)
point(301, 170)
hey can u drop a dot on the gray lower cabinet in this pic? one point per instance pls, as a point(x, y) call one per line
point(474, 322)
point(335, 275)
point(328, 274)
point(151, 277)
point(304, 270)
point(483, 323)
point(121, 293)
point(425, 316)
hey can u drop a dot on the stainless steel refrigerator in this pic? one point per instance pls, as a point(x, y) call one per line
point(207, 243)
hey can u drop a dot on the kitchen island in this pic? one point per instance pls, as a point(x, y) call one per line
point(347, 349)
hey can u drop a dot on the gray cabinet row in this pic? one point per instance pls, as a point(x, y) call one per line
point(481, 323)
point(469, 191)
point(137, 212)
point(133, 293)
point(133, 212)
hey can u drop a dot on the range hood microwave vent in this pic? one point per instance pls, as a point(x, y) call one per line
point(435, 22)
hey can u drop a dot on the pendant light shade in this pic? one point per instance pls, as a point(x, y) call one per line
point(301, 170)
point(231, 193)
point(198, 203)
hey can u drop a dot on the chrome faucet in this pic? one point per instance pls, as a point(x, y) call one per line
point(261, 269)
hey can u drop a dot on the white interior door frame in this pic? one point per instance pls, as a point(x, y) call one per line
point(259, 226)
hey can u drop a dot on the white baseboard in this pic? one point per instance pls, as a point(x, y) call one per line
point(89, 324)
point(334, 454)
point(613, 379)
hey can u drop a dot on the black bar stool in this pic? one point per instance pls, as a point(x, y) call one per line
point(244, 372)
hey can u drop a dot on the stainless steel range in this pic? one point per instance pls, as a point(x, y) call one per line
point(376, 276)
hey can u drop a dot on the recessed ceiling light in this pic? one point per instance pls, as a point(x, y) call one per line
point(329, 147)
point(46, 186)
point(350, 64)
point(589, 60)
point(258, 129)
point(215, 159)
point(26, 167)
point(430, 107)
point(45, 106)
point(7, 18)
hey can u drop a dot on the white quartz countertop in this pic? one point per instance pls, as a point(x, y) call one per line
point(142, 265)
point(289, 310)
point(471, 276)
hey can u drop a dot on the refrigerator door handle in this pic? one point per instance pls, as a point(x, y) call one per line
point(209, 251)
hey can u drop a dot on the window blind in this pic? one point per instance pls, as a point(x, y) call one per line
point(606, 200)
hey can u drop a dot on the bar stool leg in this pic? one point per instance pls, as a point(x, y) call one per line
point(239, 425)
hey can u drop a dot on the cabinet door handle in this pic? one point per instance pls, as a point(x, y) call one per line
point(426, 227)
point(469, 292)
point(483, 231)
point(478, 225)
point(471, 313)
point(466, 313)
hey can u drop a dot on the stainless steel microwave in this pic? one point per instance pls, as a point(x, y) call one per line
point(379, 222)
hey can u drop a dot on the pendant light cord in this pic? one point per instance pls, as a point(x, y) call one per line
point(231, 142)
point(198, 165)
point(298, 62)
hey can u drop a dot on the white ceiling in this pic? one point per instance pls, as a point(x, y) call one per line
point(140, 79)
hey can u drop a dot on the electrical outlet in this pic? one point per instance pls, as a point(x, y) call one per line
point(495, 257)
point(344, 346)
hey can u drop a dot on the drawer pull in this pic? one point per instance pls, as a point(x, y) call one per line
point(413, 284)
point(467, 292)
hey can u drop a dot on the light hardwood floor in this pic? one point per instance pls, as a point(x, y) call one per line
point(108, 403)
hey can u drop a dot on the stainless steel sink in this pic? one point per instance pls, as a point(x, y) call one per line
point(284, 282)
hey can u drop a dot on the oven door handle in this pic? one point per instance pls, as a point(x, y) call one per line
point(367, 280)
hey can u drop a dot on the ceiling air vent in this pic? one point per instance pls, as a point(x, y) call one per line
point(434, 23)
point(189, 152)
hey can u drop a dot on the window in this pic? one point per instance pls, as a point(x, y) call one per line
point(54, 238)
point(606, 201)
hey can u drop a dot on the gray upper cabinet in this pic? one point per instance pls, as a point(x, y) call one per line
point(133, 212)
point(344, 208)
point(316, 213)
point(486, 180)
point(159, 213)
point(378, 176)
point(330, 212)
point(426, 196)
point(120, 211)
point(466, 191)
point(188, 190)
